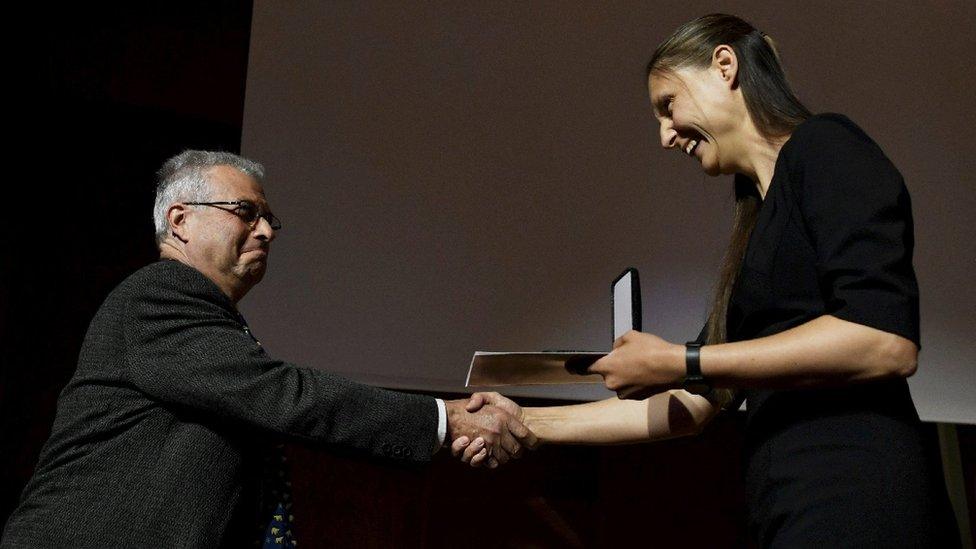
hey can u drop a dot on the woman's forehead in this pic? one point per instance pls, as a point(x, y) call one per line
point(673, 77)
point(663, 83)
point(669, 81)
point(657, 82)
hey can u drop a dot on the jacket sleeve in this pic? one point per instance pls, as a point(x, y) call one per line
point(187, 348)
point(858, 217)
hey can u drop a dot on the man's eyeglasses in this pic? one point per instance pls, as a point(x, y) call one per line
point(246, 210)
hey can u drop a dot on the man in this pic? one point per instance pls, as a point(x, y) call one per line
point(160, 435)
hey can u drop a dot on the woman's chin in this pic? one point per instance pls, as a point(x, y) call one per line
point(711, 168)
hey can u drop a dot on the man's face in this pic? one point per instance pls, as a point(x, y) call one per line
point(220, 243)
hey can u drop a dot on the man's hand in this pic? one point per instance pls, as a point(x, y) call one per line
point(641, 365)
point(487, 430)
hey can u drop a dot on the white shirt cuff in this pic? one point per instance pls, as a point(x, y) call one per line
point(441, 424)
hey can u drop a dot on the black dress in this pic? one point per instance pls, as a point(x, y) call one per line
point(838, 467)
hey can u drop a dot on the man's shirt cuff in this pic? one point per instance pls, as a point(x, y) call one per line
point(441, 424)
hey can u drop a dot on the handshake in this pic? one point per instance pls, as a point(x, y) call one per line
point(487, 430)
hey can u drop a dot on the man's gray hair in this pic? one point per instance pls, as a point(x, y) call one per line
point(184, 178)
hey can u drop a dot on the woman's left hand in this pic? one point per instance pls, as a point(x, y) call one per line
point(641, 365)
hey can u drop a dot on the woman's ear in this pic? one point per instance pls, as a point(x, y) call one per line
point(726, 64)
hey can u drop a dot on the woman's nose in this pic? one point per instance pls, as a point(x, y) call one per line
point(668, 136)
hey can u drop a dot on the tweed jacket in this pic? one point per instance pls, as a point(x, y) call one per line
point(158, 435)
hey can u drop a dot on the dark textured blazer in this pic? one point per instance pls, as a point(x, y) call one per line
point(158, 436)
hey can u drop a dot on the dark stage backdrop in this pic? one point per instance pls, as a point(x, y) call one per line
point(460, 177)
point(104, 94)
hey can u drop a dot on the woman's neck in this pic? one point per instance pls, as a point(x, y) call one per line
point(760, 159)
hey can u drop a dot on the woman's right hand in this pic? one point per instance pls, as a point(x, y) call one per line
point(641, 365)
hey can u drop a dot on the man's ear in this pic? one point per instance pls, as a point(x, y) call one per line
point(176, 216)
point(725, 62)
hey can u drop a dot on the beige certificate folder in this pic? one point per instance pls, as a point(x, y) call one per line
point(489, 369)
point(541, 368)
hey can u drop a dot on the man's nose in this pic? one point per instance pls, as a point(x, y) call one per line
point(669, 137)
point(263, 230)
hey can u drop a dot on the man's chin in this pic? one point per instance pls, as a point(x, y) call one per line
point(257, 271)
point(253, 271)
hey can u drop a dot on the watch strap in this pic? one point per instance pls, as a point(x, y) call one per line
point(693, 359)
point(695, 382)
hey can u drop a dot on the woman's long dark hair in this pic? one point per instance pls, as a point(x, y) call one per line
point(774, 110)
point(771, 103)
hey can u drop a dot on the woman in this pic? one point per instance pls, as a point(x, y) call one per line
point(814, 323)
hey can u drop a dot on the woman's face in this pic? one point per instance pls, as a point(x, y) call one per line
point(699, 115)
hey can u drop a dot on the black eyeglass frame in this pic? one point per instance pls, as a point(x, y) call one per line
point(272, 220)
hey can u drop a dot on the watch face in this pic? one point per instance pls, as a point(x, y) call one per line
point(697, 387)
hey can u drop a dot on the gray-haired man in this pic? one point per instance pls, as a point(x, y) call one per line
point(160, 434)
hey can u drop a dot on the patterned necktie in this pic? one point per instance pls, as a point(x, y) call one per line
point(275, 491)
point(276, 498)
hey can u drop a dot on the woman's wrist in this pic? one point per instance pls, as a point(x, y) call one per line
point(535, 419)
point(677, 363)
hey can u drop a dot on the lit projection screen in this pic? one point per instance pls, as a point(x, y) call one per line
point(454, 177)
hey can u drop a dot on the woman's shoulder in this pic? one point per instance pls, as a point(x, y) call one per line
point(827, 131)
point(828, 153)
point(831, 139)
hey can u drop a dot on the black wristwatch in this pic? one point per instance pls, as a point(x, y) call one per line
point(694, 380)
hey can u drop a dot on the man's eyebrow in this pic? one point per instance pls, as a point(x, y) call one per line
point(258, 203)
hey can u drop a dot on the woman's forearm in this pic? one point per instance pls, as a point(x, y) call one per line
point(614, 421)
point(823, 351)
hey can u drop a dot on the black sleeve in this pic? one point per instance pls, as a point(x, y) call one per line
point(858, 217)
point(702, 335)
point(185, 349)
